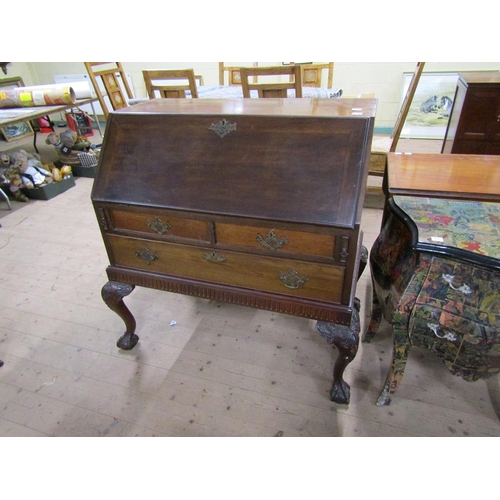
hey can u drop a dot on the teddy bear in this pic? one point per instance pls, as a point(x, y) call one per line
point(24, 171)
point(68, 145)
point(13, 176)
point(30, 169)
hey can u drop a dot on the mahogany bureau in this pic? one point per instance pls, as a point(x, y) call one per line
point(251, 201)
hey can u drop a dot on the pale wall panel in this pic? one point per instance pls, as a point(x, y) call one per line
point(385, 79)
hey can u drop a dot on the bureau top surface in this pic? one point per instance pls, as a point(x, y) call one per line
point(262, 107)
point(293, 160)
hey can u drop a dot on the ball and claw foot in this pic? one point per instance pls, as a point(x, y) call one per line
point(346, 340)
point(341, 392)
point(127, 342)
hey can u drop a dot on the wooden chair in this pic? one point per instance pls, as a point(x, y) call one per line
point(276, 89)
point(199, 80)
point(233, 74)
point(110, 78)
point(312, 74)
point(156, 82)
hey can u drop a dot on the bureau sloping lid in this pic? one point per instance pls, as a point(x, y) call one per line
point(298, 160)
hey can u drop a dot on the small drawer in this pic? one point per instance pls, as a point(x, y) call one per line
point(469, 349)
point(276, 240)
point(161, 224)
point(456, 315)
point(279, 275)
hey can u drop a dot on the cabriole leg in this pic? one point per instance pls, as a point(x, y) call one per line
point(346, 340)
point(112, 294)
point(398, 365)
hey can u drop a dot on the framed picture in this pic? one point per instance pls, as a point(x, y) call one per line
point(431, 105)
point(16, 131)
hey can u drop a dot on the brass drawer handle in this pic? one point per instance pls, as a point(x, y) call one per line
point(271, 241)
point(292, 279)
point(214, 257)
point(146, 255)
point(158, 226)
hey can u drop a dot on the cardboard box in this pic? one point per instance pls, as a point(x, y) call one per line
point(51, 190)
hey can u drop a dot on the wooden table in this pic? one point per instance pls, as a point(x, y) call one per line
point(26, 114)
point(466, 177)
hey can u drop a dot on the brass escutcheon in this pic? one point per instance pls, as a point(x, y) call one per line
point(158, 226)
point(292, 279)
point(223, 128)
point(214, 257)
point(146, 255)
point(271, 241)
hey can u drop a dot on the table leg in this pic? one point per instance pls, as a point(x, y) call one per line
point(112, 294)
point(375, 320)
point(398, 365)
point(346, 340)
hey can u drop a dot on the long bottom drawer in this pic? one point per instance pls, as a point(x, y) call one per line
point(284, 276)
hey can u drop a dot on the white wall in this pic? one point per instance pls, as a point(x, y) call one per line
point(385, 79)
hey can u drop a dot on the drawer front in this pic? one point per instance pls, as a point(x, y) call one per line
point(457, 314)
point(468, 348)
point(276, 240)
point(277, 275)
point(161, 225)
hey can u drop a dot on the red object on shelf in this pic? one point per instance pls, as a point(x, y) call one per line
point(79, 122)
point(45, 125)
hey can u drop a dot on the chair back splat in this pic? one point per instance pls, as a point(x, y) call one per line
point(109, 74)
point(157, 83)
point(272, 89)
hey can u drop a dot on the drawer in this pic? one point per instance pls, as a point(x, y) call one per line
point(284, 276)
point(161, 224)
point(276, 240)
point(469, 348)
point(457, 314)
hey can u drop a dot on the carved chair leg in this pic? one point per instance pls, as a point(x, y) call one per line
point(112, 294)
point(346, 340)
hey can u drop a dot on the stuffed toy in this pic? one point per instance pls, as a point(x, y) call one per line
point(30, 169)
point(68, 144)
point(16, 183)
point(24, 171)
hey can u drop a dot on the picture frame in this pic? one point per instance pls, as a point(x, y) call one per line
point(431, 105)
point(16, 131)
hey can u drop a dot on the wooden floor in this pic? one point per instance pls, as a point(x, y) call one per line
point(201, 368)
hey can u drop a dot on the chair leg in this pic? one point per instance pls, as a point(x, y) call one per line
point(6, 198)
